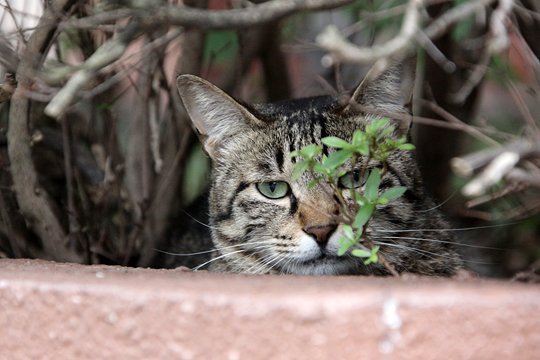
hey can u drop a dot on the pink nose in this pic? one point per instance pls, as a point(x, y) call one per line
point(321, 233)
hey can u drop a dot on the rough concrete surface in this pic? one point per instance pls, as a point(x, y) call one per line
point(67, 311)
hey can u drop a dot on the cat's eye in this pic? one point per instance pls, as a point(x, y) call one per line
point(352, 179)
point(273, 189)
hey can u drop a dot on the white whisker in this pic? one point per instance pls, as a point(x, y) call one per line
point(413, 249)
point(450, 229)
point(217, 258)
point(441, 241)
point(410, 248)
point(206, 251)
point(441, 204)
point(185, 254)
point(198, 221)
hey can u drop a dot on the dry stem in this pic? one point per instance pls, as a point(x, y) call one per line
point(34, 202)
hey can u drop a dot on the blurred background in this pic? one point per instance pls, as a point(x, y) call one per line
point(99, 164)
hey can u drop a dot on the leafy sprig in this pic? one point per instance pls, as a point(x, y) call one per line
point(377, 141)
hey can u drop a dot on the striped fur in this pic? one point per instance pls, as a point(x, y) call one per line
point(258, 235)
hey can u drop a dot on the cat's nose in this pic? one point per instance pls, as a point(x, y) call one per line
point(321, 233)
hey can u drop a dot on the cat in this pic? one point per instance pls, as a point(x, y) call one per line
point(263, 222)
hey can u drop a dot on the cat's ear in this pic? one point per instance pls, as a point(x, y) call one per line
point(388, 91)
point(216, 116)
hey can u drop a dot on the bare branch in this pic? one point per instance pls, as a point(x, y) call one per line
point(467, 165)
point(469, 129)
point(473, 80)
point(342, 50)
point(109, 52)
point(501, 163)
point(492, 174)
point(499, 40)
point(34, 202)
point(168, 15)
point(440, 26)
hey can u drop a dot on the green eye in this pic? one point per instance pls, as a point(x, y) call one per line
point(351, 180)
point(273, 189)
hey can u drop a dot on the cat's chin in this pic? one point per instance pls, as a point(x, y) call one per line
point(324, 265)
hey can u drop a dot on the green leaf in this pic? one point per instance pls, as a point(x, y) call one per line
point(310, 151)
point(376, 125)
point(359, 137)
point(348, 231)
point(361, 199)
point(392, 194)
point(299, 169)
point(336, 159)
point(406, 147)
point(358, 235)
point(363, 215)
point(314, 182)
point(361, 253)
point(360, 143)
point(385, 132)
point(371, 190)
point(318, 168)
point(336, 142)
point(373, 257)
point(344, 245)
point(362, 148)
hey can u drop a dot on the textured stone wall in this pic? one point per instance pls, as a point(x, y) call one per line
point(66, 311)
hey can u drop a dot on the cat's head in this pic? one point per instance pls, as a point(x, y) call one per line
point(262, 220)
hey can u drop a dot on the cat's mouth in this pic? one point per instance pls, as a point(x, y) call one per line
point(324, 264)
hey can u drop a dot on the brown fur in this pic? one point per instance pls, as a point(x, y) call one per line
point(297, 234)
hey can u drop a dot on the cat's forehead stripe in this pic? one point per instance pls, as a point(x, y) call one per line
point(304, 128)
point(279, 158)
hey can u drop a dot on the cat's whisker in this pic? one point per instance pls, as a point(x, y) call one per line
point(246, 190)
point(455, 243)
point(448, 229)
point(258, 267)
point(217, 258)
point(289, 264)
point(425, 252)
point(268, 264)
point(206, 251)
point(184, 254)
point(410, 248)
point(198, 221)
point(440, 204)
point(273, 261)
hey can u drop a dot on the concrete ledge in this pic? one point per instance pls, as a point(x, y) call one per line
point(67, 311)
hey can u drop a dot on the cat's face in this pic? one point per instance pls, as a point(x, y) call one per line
point(262, 220)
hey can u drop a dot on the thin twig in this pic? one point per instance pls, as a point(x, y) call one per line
point(436, 54)
point(341, 50)
point(523, 108)
point(471, 130)
point(473, 80)
point(109, 52)
point(173, 15)
point(467, 165)
point(492, 174)
point(499, 34)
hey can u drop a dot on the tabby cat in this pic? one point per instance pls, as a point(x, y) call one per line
point(263, 222)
